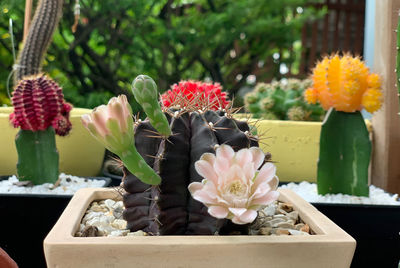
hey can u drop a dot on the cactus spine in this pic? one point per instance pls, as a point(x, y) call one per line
point(168, 208)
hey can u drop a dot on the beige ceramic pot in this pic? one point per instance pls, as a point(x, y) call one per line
point(329, 247)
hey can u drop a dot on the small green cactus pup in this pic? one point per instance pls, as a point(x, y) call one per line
point(282, 100)
point(112, 125)
point(145, 91)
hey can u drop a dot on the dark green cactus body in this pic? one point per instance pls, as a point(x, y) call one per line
point(37, 156)
point(169, 209)
point(345, 151)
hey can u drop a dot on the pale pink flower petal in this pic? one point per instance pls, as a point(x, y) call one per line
point(225, 151)
point(236, 220)
point(266, 199)
point(267, 172)
point(258, 156)
point(221, 165)
point(234, 173)
point(260, 190)
point(99, 117)
point(86, 119)
point(116, 110)
point(243, 157)
point(210, 158)
point(218, 212)
point(249, 171)
point(249, 216)
point(237, 211)
point(195, 186)
point(203, 197)
point(206, 170)
point(273, 183)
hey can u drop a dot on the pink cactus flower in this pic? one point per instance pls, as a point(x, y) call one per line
point(233, 187)
point(112, 124)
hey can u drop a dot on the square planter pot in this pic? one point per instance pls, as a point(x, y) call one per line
point(329, 247)
point(80, 153)
point(26, 220)
point(375, 227)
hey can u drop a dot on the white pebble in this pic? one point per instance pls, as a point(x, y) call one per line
point(296, 232)
point(65, 187)
point(308, 191)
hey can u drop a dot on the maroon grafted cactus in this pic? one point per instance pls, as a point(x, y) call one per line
point(40, 111)
point(39, 103)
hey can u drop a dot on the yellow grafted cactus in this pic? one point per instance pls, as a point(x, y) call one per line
point(345, 84)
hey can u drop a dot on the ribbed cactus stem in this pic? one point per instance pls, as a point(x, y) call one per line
point(44, 22)
point(145, 91)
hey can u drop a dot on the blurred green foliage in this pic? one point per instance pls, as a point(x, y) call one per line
point(225, 41)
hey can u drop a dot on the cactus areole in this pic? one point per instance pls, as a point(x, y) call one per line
point(168, 208)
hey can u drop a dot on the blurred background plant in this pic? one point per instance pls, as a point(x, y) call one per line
point(223, 41)
point(283, 100)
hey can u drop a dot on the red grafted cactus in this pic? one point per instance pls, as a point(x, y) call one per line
point(39, 103)
point(197, 94)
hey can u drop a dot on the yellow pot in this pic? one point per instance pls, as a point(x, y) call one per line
point(294, 146)
point(80, 153)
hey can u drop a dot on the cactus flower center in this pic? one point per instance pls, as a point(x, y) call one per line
point(237, 188)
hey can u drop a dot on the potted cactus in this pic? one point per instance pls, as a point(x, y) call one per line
point(343, 85)
point(40, 112)
point(191, 171)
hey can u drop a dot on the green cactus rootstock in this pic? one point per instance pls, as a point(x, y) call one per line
point(345, 150)
point(37, 156)
point(145, 91)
